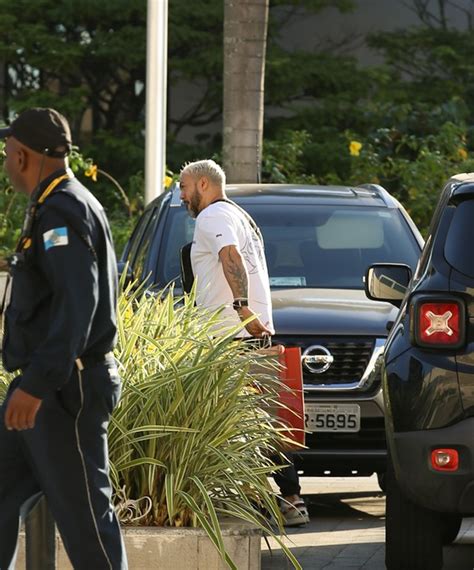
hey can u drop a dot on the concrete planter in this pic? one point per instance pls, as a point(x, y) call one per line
point(179, 548)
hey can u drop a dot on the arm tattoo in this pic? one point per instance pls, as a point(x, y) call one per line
point(234, 271)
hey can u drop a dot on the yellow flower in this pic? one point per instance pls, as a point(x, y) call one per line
point(354, 148)
point(168, 181)
point(92, 172)
point(462, 153)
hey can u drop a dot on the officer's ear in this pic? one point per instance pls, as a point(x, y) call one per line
point(22, 159)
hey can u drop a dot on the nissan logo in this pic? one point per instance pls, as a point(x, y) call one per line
point(317, 359)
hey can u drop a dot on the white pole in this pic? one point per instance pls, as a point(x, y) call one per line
point(156, 71)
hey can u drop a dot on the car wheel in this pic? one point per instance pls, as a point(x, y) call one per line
point(413, 533)
point(382, 480)
point(451, 523)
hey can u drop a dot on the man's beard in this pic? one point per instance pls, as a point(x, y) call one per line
point(195, 203)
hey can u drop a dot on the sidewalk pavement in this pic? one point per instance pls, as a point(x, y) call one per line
point(347, 530)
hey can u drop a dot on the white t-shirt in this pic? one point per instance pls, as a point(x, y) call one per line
point(219, 225)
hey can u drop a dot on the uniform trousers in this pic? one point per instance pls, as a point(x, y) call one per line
point(65, 457)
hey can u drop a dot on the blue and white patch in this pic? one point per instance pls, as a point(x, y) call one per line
point(54, 237)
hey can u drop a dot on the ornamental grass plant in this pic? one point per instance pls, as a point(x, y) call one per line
point(191, 439)
point(5, 380)
point(5, 377)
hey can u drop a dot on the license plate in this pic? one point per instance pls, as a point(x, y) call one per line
point(332, 417)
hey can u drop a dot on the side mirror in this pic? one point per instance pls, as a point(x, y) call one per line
point(387, 282)
point(125, 272)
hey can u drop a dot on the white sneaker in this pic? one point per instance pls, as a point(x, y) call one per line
point(294, 513)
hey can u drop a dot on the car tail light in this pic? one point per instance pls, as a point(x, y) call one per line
point(445, 459)
point(439, 323)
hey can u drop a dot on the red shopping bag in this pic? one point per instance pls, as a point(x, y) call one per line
point(292, 411)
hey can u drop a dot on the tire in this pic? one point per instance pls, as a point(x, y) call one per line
point(413, 533)
point(450, 525)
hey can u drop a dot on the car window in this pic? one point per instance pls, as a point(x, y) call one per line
point(312, 246)
point(460, 233)
point(328, 246)
point(137, 235)
point(425, 255)
point(178, 232)
point(346, 230)
point(140, 242)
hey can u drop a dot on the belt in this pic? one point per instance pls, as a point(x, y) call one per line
point(90, 360)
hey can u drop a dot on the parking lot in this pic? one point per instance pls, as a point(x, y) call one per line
point(347, 530)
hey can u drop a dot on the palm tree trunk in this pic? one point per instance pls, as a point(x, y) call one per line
point(245, 35)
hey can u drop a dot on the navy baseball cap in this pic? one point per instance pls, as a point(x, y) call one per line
point(43, 130)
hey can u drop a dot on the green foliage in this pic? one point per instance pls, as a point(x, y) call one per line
point(81, 49)
point(428, 64)
point(122, 213)
point(190, 438)
point(196, 59)
point(413, 168)
point(413, 115)
point(121, 226)
point(297, 76)
point(88, 60)
point(282, 159)
point(12, 209)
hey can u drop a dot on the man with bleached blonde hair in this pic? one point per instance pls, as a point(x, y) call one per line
point(227, 254)
point(228, 260)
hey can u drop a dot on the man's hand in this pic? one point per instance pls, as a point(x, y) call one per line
point(21, 410)
point(255, 327)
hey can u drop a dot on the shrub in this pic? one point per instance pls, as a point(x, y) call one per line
point(190, 438)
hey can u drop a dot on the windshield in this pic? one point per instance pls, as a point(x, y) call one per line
point(310, 246)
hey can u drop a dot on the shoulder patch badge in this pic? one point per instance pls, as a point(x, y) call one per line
point(54, 237)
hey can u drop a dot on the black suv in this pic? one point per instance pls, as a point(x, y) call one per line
point(318, 242)
point(428, 384)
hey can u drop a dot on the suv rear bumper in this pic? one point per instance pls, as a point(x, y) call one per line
point(451, 492)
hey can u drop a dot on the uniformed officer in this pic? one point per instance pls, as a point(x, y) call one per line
point(59, 331)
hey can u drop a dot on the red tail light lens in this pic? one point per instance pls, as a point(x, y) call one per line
point(439, 323)
point(445, 459)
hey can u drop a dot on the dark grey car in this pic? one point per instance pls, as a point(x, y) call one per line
point(319, 240)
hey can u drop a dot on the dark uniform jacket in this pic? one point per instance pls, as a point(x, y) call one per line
point(64, 290)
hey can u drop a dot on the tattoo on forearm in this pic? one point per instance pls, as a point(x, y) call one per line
point(235, 273)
